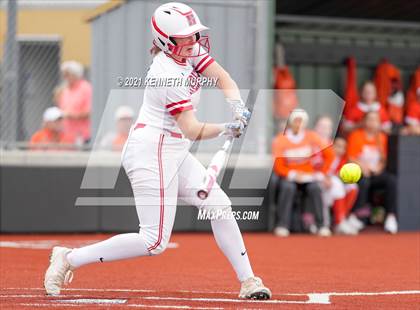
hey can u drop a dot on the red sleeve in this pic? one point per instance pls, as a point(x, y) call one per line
point(202, 62)
point(179, 106)
point(178, 99)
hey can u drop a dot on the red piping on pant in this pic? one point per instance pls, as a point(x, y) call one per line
point(162, 196)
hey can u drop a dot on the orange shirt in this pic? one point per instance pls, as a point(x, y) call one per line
point(46, 136)
point(295, 153)
point(367, 150)
point(76, 99)
point(318, 159)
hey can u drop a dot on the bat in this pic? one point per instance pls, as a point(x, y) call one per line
point(216, 165)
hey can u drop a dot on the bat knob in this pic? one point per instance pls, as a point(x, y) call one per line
point(202, 194)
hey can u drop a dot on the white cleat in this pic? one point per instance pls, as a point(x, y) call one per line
point(59, 272)
point(324, 231)
point(313, 230)
point(391, 224)
point(253, 288)
point(355, 222)
point(344, 228)
point(281, 232)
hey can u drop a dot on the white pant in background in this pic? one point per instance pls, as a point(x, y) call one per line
point(335, 192)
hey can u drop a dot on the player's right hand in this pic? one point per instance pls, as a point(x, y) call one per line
point(234, 129)
point(240, 111)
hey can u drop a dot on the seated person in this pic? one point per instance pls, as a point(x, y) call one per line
point(292, 152)
point(51, 136)
point(345, 222)
point(368, 103)
point(335, 193)
point(115, 140)
point(367, 146)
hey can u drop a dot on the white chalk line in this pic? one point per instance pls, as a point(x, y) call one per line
point(313, 298)
point(123, 290)
point(129, 305)
point(172, 307)
point(231, 300)
point(38, 295)
point(405, 292)
point(33, 304)
point(93, 301)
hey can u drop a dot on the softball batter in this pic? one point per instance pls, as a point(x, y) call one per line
point(157, 160)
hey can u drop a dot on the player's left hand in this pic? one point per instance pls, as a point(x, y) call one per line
point(240, 111)
point(234, 129)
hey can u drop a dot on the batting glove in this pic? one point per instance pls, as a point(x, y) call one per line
point(234, 129)
point(240, 111)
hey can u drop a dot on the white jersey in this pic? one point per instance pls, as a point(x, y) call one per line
point(168, 93)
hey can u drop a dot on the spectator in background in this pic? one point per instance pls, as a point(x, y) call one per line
point(412, 118)
point(345, 221)
point(396, 102)
point(335, 194)
point(51, 135)
point(124, 119)
point(292, 152)
point(367, 146)
point(389, 89)
point(368, 103)
point(75, 101)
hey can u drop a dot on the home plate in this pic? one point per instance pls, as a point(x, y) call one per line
point(92, 301)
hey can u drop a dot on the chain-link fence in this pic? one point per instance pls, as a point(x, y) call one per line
point(30, 73)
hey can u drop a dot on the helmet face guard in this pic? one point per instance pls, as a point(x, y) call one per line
point(188, 50)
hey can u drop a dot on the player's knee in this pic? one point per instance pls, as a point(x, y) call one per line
point(160, 245)
point(159, 249)
point(155, 239)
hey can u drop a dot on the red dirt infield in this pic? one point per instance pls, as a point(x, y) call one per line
point(370, 271)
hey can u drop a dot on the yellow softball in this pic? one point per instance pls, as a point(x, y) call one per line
point(350, 173)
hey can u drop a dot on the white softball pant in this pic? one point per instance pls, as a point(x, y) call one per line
point(161, 169)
